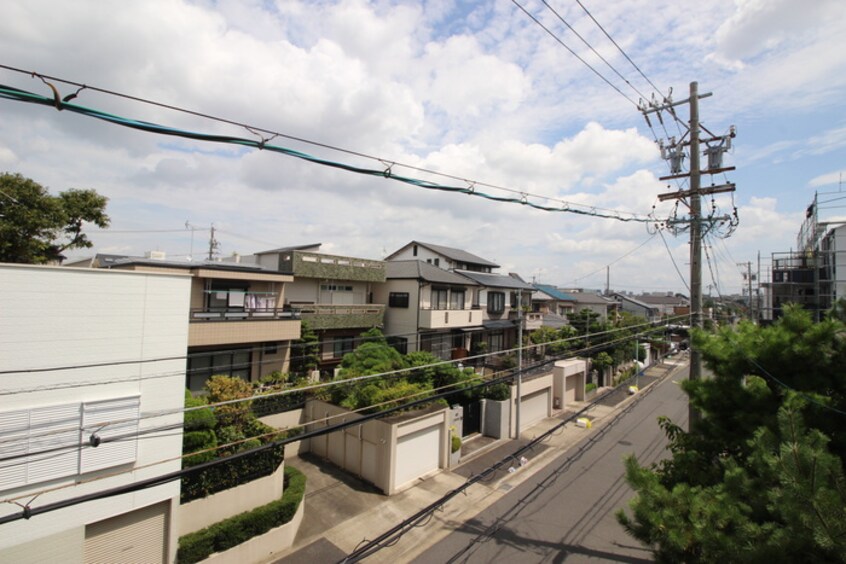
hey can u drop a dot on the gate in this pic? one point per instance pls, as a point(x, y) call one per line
point(472, 422)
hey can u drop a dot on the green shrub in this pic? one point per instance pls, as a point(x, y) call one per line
point(497, 392)
point(590, 386)
point(456, 443)
point(230, 473)
point(233, 531)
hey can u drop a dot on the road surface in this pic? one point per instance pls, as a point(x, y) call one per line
point(566, 511)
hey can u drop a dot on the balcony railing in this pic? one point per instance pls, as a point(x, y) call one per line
point(326, 316)
point(243, 314)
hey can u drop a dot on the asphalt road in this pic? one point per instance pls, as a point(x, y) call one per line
point(566, 511)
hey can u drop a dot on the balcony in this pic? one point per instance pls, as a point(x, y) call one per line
point(232, 326)
point(449, 318)
point(321, 316)
point(331, 267)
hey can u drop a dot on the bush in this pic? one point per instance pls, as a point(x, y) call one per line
point(456, 443)
point(590, 386)
point(230, 473)
point(497, 392)
point(231, 532)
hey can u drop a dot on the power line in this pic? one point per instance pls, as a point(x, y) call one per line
point(618, 259)
point(28, 512)
point(672, 258)
point(597, 53)
point(650, 327)
point(387, 164)
point(561, 42)
point(599, 25)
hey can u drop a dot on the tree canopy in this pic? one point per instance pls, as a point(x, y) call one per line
point(762, 476)
point(37, 227)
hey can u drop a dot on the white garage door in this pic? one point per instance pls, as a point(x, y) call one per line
point(138, 536)
point(418, 453)
point(534, 408)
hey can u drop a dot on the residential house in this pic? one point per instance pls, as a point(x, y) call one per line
point(503, 300)
point(334, 294)
point(637, 307)
point(239, 325)
point(550, 307)
point(90, 356)
point(668, 305)
point(604, 307)
point(429, 308)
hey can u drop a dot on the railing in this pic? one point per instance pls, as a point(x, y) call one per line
point(351, 309)
point(243, 314)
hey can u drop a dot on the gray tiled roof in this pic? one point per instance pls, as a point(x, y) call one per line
point(211, 265)
point(496, 280)
point(589, 298)
point(455, 254)
point(419, 270)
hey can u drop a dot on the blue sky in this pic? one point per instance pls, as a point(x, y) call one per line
point(476, 90)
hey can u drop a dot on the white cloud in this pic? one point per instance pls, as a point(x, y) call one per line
point(827, 179)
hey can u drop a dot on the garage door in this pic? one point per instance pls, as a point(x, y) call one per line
point(418, 453)
point(138, 536)
point(534, 408)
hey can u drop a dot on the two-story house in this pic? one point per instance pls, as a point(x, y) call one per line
point(93, 386)
point(239, 325)
point(334, 294)
point(429, 309)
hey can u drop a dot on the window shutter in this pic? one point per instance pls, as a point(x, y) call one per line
point(53, 428)
point(94, 416)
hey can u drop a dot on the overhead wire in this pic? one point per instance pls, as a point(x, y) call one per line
point(572, 52)
point(522, 196)
point(673, 260)
point(646, 327)
point(618, 259)
point(591, 47)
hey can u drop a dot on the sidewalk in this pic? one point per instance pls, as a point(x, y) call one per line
point(342, 511)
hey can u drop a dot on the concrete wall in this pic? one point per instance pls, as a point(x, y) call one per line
point(62, 317)
point(496, 416)
point(574, 371)
point(369, 450)
point(288, 420)
point(201, 513)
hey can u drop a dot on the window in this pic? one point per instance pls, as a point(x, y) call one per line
point(271, 348)
point(456, 299)
point(204, 365)
point(496, 341)
point(335, 288)
point(398, 299)
point(342, 346)
point(437, 262)
point(400, 344)
point(414, 250)
point(440, 297)
point(496, 302)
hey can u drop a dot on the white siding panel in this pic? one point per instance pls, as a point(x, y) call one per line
point(54, 431)
point(15, 440)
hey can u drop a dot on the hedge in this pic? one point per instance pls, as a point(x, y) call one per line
point(235, 530)
point(230, 473)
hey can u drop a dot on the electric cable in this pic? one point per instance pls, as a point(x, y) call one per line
point(616, 260)
point(666, 246)
point(584, 62)
point(597, 53)
point(522, 198)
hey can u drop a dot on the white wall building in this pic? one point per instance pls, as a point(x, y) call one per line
point(79, 350)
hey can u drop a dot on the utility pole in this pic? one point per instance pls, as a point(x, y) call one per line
point(748, 277)
point(608, 280)
point(519, 359)
point(214, 245)
point(716, 146)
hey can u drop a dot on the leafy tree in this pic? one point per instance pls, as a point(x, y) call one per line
point(761, 477)
point(36, 227)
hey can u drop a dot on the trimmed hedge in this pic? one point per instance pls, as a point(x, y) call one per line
point(235, 530)
point(231, 473)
